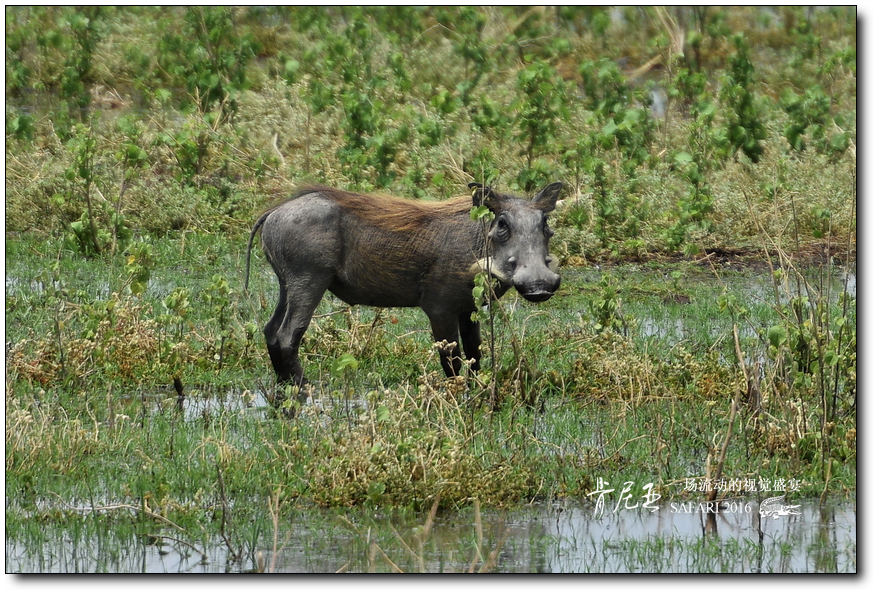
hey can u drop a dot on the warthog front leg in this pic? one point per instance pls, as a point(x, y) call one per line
point(471, 338)
point(445, 328)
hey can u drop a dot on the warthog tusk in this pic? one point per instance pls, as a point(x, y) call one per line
point(487, 265)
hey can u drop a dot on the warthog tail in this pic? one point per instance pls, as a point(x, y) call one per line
point(255, 229)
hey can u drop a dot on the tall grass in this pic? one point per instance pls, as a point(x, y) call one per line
point(389, 429)
point(136, 375)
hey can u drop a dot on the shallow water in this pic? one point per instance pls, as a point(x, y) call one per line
point(558, 538)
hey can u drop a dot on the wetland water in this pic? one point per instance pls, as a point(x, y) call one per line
point(621, 536)
point(557, 538)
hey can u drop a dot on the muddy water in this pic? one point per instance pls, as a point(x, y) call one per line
point(559, 537)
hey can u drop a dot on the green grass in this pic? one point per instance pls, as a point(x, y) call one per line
point(171, 146)
point(647, 405)
point(178, 133)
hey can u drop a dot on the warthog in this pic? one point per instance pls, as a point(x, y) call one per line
point(391, 252)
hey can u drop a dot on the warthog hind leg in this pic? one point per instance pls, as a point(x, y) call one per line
point(284, 331)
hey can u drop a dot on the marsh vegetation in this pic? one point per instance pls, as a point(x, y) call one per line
point(705, 328)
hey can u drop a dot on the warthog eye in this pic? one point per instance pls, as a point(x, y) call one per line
point(501, 233)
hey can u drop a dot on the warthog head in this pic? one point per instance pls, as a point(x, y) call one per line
point(518, 241)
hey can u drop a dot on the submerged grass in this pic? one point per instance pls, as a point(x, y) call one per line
point(139, 152)
point(155, 402)
point(556, 537)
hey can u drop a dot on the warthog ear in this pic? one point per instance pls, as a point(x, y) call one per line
point(484, 195)
point(545, 199)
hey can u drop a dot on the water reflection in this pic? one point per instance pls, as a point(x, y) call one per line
point(557, 538)
point(677, 540)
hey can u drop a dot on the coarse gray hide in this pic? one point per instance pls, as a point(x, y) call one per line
point(391, 252)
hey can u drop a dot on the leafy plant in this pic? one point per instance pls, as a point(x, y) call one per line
point(208, 57)
point(467, 24)
point(140, 262)
point(606, 90)
point(605, 309)
point(540, 107)
point(86, 28)
point(369, 144)
point(190, 146)
point(96, 229)
point(490, 118)
point(744, 125)
point(21, 127)
point(613, 152)
point(217, 296)
point(809, 115)
point(17, 38)
point(483, 165)
point(695, 207)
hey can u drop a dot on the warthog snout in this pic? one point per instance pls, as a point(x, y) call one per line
point(540, 290)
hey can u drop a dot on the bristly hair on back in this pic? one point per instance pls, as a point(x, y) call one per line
point(390, 212)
